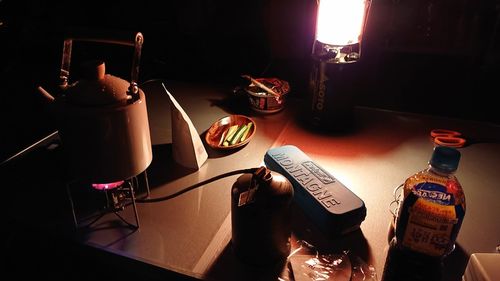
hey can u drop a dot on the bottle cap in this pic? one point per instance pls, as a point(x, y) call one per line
point(445, 158)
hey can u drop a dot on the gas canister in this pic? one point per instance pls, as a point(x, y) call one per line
point(260, 217)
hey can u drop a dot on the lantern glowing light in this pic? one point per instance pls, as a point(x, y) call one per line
point(340, 22)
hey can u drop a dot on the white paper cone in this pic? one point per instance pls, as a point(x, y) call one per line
point(187, 147)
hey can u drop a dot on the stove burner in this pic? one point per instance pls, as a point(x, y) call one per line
point(106, 186)
point(117, 196)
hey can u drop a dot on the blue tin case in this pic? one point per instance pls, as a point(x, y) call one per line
point(334, 208)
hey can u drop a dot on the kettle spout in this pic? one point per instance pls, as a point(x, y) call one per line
point(45, 94)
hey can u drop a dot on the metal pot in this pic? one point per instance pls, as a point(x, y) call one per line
point(102, 120)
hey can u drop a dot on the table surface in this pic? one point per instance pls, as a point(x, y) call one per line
point(191, 234)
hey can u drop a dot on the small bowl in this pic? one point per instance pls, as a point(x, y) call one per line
point(217, 132)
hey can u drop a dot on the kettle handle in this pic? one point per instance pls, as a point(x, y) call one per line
point(133, 89)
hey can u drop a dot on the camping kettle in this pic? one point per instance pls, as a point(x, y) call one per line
point(102, 119)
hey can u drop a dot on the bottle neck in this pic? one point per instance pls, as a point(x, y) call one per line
point(439, 172)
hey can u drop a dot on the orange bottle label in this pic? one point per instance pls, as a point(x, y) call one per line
point(429, 228)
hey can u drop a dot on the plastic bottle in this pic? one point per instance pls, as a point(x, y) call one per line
point(429, 218)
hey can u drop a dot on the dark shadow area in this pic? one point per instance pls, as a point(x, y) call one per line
point(304, 229)
point(83, 233)
point(163, 168)
point(28, 251)
point(233, 104)
point(400, 265)
point(34, 185)
point(228, 266)
point(39, 237)
point(457, 259)
point(339, 125)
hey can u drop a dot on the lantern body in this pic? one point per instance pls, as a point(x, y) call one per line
point(336, 50)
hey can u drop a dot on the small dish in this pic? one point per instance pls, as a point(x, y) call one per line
point(217, 133)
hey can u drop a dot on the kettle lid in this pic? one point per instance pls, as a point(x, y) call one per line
point(96, 88)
